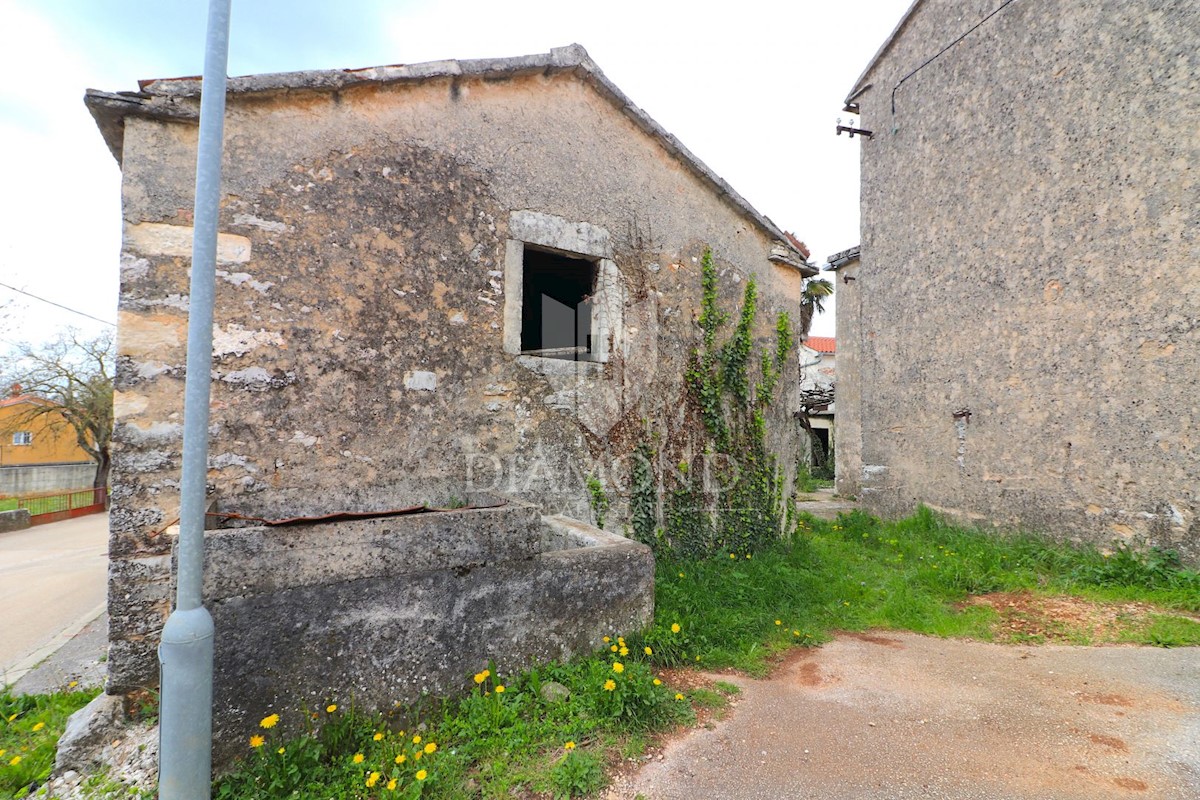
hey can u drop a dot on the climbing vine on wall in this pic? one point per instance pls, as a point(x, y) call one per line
point(741, 504)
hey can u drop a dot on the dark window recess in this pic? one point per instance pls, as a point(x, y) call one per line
point(556, 310)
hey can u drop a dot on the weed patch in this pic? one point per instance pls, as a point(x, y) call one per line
point(29, 729)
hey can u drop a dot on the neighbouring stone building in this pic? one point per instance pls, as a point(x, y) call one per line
point(1023, 328)
point(434, 281)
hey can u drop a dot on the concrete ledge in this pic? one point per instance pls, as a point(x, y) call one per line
point(376, 612)
point(17, 520)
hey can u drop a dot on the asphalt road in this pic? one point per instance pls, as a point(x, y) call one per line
point(895, 715)
point(52, 584)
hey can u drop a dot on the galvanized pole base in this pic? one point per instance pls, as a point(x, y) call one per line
point(185, 660)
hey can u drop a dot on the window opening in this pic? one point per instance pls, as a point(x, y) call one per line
point(556, 307)
point(23, 437)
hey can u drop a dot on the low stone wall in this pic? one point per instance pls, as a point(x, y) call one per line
point(382, 611)
point(17, 520)
point(45, 478)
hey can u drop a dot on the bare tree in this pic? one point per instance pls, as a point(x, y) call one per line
point(74, 374)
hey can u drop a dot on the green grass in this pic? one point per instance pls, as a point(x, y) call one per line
point(29, 729)
point(857, 573)
point(854, 573)
point(491, 743)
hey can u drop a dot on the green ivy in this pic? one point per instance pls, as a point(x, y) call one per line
point(598, 499)
point(643, 495)
point(735, 356)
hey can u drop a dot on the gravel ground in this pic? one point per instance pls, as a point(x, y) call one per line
point(897, 715)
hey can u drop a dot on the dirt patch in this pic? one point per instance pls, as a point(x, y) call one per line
point(1132, 784)
point(872, 638)
point(1109, 741)
point(1031, 619)
point(1107, 700)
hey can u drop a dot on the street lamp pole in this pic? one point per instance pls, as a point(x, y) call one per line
point(185, 655)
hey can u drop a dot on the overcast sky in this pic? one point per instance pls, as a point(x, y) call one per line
point(753, 88)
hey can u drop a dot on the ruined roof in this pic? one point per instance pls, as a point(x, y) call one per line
point(859, 86)
point(173, 98)
point(841, 259)
point(822, 344)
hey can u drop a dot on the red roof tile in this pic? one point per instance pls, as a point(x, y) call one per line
point(822, 344)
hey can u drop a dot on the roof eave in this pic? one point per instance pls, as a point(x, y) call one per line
point(174, 99)
point(860, 85)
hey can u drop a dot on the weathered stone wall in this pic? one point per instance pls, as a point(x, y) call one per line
point(847, 441)
point(16, 520)
point(359, 330)
point(1030, 271)
point(385, 611)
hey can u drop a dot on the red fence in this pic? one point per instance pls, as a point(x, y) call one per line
point(56, 506)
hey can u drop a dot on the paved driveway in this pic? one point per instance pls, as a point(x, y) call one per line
point(52, 584)
point(896, 715)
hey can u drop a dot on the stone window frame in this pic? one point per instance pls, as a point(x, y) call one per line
point(578, 240)
point(22, 438)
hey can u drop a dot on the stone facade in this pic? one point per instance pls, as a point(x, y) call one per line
point(368, 328)
point(1020, 347)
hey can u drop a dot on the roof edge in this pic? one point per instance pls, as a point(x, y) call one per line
point(858, 87)
point(170, 98)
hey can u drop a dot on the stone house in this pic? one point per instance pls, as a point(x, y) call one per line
point(434, 281)
point(1023, 320)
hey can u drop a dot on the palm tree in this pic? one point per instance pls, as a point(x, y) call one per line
point(812, 302)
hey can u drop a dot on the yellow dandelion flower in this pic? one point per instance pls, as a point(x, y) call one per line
point(422, 775)
point(731, 555)
point(778, 622)
point(621, 641)
point(609, 685)
point(39, 726)
point(12, 717)
point(377, 737)
point(391, 785)
point(624, 651)
point(14, 761)
point(569, 746)
point(618, 667)
point(400, 759)
point(332, 707)
point(795, 633)
point(372, 779)
point(499, 690)
point(607, 639)
point(678, 696)
point(417, 755)
point(747, 556)
point(681, 574)
point(431, 748)
point(657, 682)
point(256, 741)
point(614, 648)
point(358, 758)
point(417, 739)
point(72, 684)
point(480, 677)
point(2, 751)
point(647, 651)
point(675, 627)
point(281, 750)
point(269, 722)
point(697, 658)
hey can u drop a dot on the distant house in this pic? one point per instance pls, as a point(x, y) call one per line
point(818, 362)
point(38, 450)
point(1024, 318)
point(433, 279)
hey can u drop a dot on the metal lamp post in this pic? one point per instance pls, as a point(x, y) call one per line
point(185, 655)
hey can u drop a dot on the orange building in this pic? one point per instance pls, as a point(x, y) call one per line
point(29, 440)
